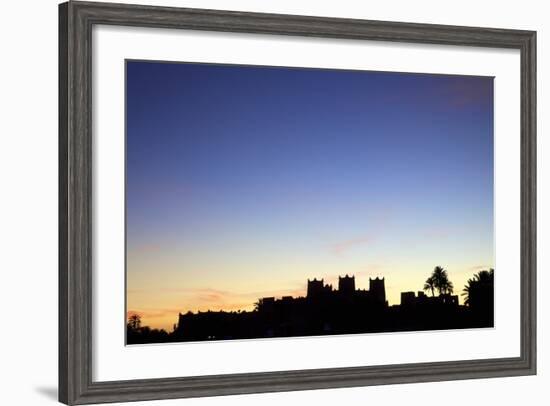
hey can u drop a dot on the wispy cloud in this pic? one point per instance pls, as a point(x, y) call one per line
point(343, 246)
point(201, 299)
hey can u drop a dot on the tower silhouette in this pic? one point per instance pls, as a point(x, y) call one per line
point(346, 284)
point(377, 289)
point(314, 288)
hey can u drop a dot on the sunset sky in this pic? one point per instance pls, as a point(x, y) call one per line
point(243, 182)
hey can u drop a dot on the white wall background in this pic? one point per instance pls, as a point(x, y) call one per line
point(28, 207)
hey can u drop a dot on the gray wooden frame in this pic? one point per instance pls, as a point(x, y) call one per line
point(75, 179)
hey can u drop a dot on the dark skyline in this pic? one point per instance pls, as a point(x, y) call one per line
point(341, 309)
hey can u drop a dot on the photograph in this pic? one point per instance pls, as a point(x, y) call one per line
point(242, 203)
point(267, 202)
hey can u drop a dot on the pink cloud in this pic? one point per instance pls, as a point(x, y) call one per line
point(343, 246)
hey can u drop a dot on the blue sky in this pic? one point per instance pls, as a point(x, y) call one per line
point(244, 181)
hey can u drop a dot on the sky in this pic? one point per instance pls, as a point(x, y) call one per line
point(245, 181)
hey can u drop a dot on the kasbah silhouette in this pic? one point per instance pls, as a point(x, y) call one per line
point(345, 310)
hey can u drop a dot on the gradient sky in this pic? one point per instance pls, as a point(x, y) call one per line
point(245, 181)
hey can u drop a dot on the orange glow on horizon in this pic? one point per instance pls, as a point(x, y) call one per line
point(162, 313)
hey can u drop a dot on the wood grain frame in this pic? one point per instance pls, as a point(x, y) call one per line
point(76, 20)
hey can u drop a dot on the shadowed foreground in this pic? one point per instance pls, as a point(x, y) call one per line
point(327, 311)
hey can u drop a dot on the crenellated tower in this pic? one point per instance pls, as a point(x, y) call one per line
point(377, 290)
point(317, 288)
point(314, 288)
point(346, 284)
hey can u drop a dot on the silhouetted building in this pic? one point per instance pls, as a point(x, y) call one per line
point(287, 298)
point(325, 310)
point(408, 299)
point(316, 288)
point(346, 284)
point(377, 289)
point(266, 304)
point(447, 299)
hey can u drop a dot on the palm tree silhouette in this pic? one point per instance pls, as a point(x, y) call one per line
point(134, 322)
point(481, 284)
point(430, 285)
point(441, 281)
point(468, 289)
point(447, 287)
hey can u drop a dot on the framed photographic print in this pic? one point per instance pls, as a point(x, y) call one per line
point(257, 202)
